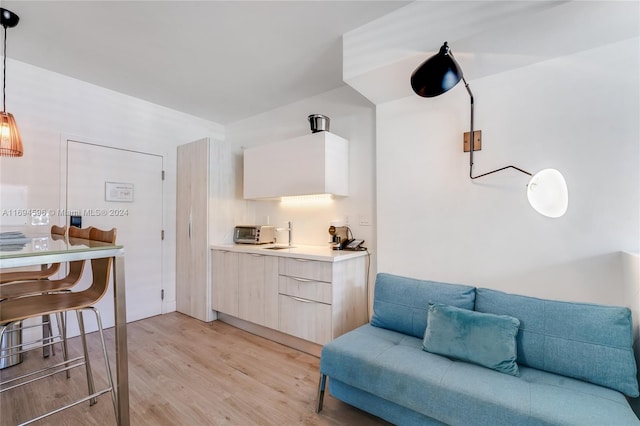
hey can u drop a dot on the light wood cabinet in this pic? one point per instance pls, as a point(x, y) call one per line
point(224, 281)
point(319, 301)
point(192, 260)
point(258, 289)
point(245, 285)
point(206, 183)
point(312, 300)
point(307, 319)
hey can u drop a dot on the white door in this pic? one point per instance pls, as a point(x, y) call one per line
point(118, 188)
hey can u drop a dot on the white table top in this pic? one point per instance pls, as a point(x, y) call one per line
point(40, 248)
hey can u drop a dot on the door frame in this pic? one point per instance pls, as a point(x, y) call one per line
point(64, 139)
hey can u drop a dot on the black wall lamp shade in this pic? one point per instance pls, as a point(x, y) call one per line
point(436, 75)
point(8, 18)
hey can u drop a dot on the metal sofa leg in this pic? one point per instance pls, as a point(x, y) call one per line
point(321, 385)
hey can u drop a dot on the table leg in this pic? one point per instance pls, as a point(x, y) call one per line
point(122, 366)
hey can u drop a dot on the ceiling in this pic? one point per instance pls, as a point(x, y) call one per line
point(487, 37)
point(229, 60)
point(218, 60)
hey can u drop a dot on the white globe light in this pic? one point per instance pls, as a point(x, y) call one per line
point(547, 193)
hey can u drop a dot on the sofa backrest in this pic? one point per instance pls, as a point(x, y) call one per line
point(589, 342)
point(401, 303)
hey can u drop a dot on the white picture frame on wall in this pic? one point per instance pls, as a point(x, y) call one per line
point(118, 192)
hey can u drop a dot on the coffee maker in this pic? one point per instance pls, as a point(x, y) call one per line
point(339, 234)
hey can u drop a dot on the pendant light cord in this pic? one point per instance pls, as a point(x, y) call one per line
point(4, 72)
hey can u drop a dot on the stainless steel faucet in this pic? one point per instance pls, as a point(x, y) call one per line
point(289, 229)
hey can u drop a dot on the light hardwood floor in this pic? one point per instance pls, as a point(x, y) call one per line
point(186, 372)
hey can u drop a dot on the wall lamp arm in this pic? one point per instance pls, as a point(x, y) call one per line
point(466, 86)
point(499, 170)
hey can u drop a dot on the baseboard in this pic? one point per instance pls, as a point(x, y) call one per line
point(271, 334)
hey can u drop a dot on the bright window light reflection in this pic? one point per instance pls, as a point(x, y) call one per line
point(449, 80)
point(307, 199)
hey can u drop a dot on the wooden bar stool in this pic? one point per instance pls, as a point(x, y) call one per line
point(38, 286)
point(42, 286)
point(33, 306)
point(45, 272)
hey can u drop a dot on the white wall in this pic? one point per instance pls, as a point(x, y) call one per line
point(353, 118)
point(48, 106)
point(578, 114)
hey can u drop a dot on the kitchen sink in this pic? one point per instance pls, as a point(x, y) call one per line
point(278, 247)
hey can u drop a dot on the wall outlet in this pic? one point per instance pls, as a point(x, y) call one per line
point(363, 220)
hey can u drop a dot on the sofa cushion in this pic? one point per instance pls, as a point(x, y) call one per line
point(484, 339)
point(585, 341)
point(401, 303)
point(392, 366)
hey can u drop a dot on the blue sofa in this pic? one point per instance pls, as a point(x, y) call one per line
point(562, 363)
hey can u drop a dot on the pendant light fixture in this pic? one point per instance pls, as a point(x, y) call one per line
point(546, 191)
point(10, 140)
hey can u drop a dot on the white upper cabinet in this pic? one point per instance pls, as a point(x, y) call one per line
point(316, 163)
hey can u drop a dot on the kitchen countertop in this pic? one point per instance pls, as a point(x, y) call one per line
point(298, 251)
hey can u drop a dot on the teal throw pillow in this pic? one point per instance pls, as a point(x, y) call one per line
point(484, 339)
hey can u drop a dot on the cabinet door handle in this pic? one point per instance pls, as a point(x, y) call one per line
point(301, 260)
point(302, 280)
point(302, 300)
point(256, 255)
point(190, 218)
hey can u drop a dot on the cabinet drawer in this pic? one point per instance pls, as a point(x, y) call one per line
point(317, 291)
point(305, 319)
point(303, 268)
